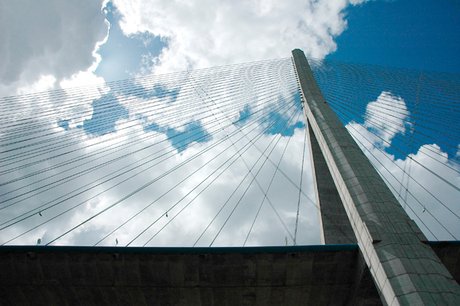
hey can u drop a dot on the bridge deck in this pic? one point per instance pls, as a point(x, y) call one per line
point(301, 275)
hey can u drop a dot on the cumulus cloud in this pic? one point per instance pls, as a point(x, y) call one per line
point(430, 200)
point(387, 116)
point(187, 227)
point(209, 33)
point(45, 42)
point(77, 161)
point(54, 43)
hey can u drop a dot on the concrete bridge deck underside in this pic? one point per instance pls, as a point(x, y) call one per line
point(300, 275)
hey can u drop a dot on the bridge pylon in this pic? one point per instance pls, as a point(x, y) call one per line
point(355, 203)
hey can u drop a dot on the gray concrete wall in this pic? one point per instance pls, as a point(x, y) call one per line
point(334, 224)
point(318, 275)
point(300, 275)
point(405, 269)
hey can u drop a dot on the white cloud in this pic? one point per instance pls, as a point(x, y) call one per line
point(189, 225)
point(209, 33)
point(54, 42)
point(384, 119)
point(387, 116)
point(45, 42)
point(46, 82)
point(129, 134)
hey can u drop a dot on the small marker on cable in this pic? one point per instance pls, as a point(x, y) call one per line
point(166, 214)
point(40, 213)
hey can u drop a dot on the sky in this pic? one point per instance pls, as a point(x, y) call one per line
point(51, 45)
point(55, 44)
point(410, 34)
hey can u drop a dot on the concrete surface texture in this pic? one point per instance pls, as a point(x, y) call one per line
point(404, 268)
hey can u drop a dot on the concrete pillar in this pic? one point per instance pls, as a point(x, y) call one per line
point(404, 268)
point(334, 223)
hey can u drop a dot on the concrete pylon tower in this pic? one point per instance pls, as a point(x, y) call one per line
point(355, 203)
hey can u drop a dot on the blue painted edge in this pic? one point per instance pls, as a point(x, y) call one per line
point(169, 250)
point(213, 250)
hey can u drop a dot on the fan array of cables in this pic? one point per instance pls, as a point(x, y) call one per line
point(216, 156)
point(406, 122)
point(199, 157)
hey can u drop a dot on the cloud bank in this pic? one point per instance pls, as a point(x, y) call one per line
point(428, 200)
point(209, 33)
point(75, 164)
point(53, 44)
point(45, 42)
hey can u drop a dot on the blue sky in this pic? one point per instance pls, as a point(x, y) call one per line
point(122, 55)
point(46, 48)
point(421, 35)
point(101, 45)
point(405, 33)
point(424, 36)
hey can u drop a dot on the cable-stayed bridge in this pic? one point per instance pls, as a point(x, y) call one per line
point(219, 157)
